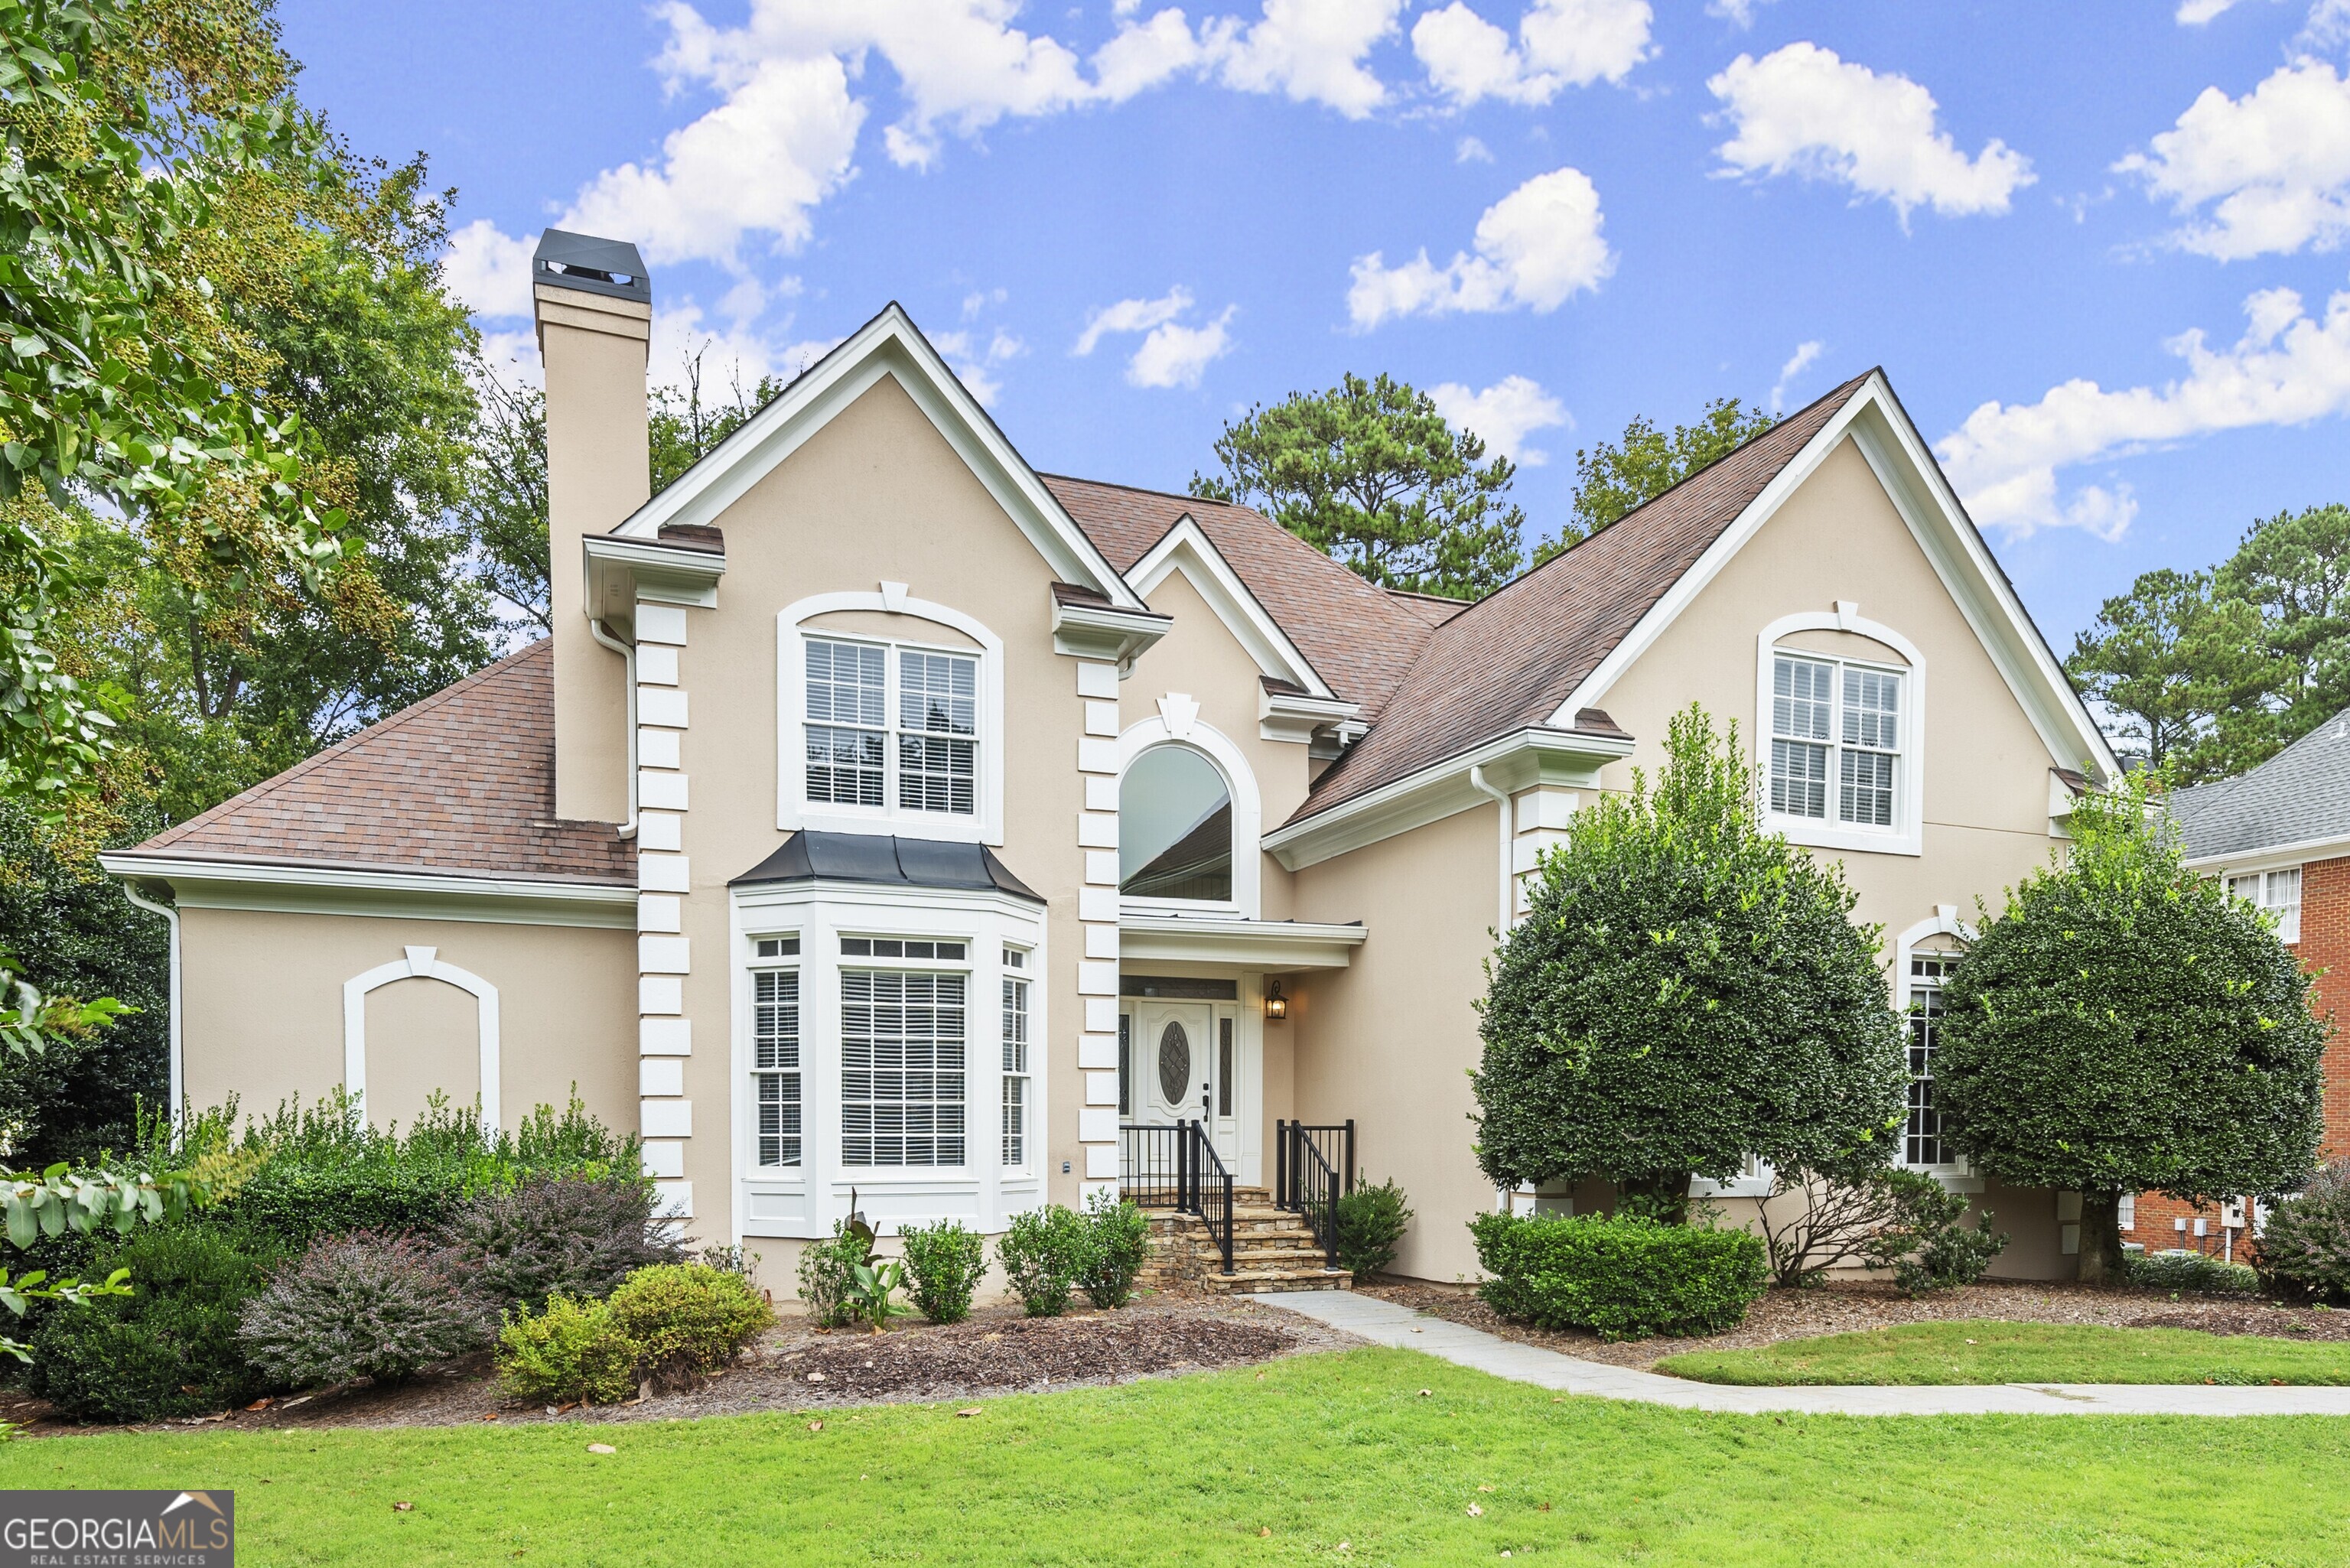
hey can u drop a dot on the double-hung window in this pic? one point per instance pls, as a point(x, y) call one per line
point(775, 1048)
point(1835, 740)
point(1015, 1056)
point(903, 1074)
point(1921, 1136)
point(2276, 891)
point(892, 726)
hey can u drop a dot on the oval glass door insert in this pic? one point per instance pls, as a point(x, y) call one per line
point(1175, 1064)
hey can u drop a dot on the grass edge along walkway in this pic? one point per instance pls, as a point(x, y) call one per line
point(1400, 1457)
point(1988, 1351)
point(1384, 1322)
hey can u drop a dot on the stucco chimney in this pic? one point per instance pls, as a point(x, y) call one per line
point(594, 305)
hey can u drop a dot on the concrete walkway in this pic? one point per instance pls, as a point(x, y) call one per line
point(1384, 1322)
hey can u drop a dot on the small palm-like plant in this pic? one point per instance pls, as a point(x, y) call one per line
point(873, 1292)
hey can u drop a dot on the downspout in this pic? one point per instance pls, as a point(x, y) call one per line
point(179, 1070)
point(628, 652)
point(1501, 798)
point(1502, 1201)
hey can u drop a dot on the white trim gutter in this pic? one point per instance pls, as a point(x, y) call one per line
point(164, 868)
point(179, 1055)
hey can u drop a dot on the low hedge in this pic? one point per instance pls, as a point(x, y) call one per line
point(1625, 1278)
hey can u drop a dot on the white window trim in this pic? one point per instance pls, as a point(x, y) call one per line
point(1955, 1174)
point(795, 810)
point(803, 1202)
point(1030, 1132)
point(1906, 836)
point(756, 966)
point(422, 963)
point(2264, 872)
point(1179, 724)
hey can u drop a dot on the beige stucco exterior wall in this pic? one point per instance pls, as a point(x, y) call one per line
point(1389, 1040)
point(876, 494)
point(263, 993)
point(1400, 1035)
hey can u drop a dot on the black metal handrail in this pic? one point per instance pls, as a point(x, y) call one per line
point(1175, 1166)
point(1211, 1193)
point(1308, 1182)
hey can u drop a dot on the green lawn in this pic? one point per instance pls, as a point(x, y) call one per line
point(1977, 1350)
point(1321, 1449)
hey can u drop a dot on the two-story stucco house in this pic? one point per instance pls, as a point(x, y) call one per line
point(884, 815)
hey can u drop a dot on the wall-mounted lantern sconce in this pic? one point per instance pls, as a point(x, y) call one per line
point(1275, 1004)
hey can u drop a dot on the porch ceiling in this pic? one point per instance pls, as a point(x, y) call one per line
point(1275, 946)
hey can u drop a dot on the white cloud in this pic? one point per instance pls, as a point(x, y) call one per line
point(1801, 111)
point(1170, 353)
point(488, 271)
point(1801, 360)
point(2288, 368)
point(2273, 164)
point(1504, 414)
point(1560, 43)
point(2196, 13)
point(1537, 246)
point(975, 361)
point(779, 144)
point(1737, 13)
point(1468, 149)
point(1132, 315)
point(1174, 354)
point(1311, 51)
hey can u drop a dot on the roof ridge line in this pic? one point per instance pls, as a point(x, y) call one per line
point(269, 786)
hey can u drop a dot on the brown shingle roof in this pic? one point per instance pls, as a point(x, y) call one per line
point(1509, 659)
point(462, 782)
point(1359, 638)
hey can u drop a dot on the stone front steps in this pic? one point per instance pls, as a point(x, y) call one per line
point(1271, 1251)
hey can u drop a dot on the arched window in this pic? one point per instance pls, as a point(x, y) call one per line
point(1175, 828)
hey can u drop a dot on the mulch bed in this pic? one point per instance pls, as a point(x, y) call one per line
point(1848, 1308)
point(997, 1351)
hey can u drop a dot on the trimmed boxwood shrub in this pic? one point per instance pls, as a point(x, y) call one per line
point(1625, 1278)
point(946, 1261)
point(1042, 1252)
point(572, 1235)
point(687, 1320)
point(1371, 1223)
point(169, 1348)
point(2304, 1250)
point(1117, 1243)
point(361, 1305)
point(2191, 1272)
point(575, 1350)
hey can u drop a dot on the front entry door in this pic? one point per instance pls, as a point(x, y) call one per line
point(1175, 1057)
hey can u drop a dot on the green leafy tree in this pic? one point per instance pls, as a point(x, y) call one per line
point(2294, 569)
point(1612, 478)
point(1686, 991)
point(1370, 472)
point(2184, 672)
point(139, 140)
point(2127, 1025)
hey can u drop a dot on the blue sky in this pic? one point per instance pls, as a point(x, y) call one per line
point(2098, 246)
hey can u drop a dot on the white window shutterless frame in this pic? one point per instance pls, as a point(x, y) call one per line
point(888, 714)
point(2279, 892)
point(1839, 742)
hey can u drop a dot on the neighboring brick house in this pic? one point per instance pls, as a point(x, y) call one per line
point(2281, 836)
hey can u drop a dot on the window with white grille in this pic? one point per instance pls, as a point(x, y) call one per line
point(902, 1068)
point(2276, 891)
point(775, 1052)
point(890, 725)
point(1921, 1136)
point(1835, 740)
point(1015, 1057)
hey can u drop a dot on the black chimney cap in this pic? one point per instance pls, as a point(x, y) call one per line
point(586, 262)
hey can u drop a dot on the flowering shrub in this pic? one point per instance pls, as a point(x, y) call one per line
point(361, 1305)
point(570, 1235)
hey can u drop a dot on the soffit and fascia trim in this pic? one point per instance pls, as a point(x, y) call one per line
point(1534, 755)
